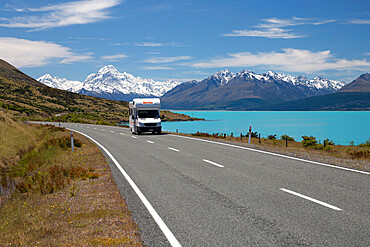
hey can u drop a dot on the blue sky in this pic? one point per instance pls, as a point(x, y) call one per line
point(184, 40)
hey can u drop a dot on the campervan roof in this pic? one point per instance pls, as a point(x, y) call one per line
point(146, 103)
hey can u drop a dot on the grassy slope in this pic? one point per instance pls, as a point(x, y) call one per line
point(53, 196)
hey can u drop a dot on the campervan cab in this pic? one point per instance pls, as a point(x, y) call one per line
point(144, 116)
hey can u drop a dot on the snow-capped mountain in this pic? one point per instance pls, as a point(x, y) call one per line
point(319, 83)
point(61, 83)
point(109, 83)
point(245, 90)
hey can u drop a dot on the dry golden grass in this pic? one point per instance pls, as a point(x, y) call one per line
point(85, 210)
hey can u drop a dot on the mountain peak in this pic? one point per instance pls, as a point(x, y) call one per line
point(223, 76)
point(108, 69)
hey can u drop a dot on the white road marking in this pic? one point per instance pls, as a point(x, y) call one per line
point(112, 131)
point(167, 232)
point(103, 130)
point(122, 134)
point(213, 163)
point(312, 200)
point(275, 154)
point(173, 149)
point(134, 137)
point(94, 128)
point(149, 141)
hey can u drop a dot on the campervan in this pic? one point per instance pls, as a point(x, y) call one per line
point(144, 116)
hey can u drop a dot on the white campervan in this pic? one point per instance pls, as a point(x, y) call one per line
point(144, 116)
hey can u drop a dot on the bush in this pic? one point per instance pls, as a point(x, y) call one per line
point(365, 144)
point(329, 142)
point(271, 137)
point(309, 141)
point(286, 137)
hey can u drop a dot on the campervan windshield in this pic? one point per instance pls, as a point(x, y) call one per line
point(148, 114)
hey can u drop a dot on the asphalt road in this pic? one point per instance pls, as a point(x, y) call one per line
point(210, 194)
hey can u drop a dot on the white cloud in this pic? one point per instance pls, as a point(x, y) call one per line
point(274, 28)
point(149, 44)
point(360, 21)
point(63, 14)
point(157, 68)
point(290, 60)
point(167, 59)
point(114, 57)
point(272, 33)
point(28, 53)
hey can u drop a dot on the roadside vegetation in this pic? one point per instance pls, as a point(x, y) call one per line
point(50, 196)
point(352, 156)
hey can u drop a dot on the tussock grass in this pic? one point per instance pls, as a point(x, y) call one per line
point(60, 198)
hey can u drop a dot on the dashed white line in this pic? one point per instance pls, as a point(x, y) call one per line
point(112, 131)
point(275, 154)
point(94, 128)
point(149, 141)
point(103, 130)
point(174, 149)
point(213, 163)
point(167, 232)
point(312, 199)
point(122, 134)
point(134, 137)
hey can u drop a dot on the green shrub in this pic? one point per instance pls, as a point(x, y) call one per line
point(309, 141)
point(271, 137)
point(365, 144)
point(329, 142)
point(319, 147)
point(286, 137)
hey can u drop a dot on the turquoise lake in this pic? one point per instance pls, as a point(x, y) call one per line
point(341, 127)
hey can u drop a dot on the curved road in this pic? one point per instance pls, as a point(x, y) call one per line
point(212, 194)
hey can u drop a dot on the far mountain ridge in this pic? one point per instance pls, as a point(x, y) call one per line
point(228, 91)
point(361, 84)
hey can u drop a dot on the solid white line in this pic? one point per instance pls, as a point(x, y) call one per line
point(149, 141)
point(167, 232)
point(275, 154)
point(122, 134)
point(213, 163)
point(173, 149)
point(312, 200)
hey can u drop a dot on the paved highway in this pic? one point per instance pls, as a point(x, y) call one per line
point(189, 192)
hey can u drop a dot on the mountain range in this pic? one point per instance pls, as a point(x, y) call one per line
point(225, 90)
point(245, 90)
point(109, 83)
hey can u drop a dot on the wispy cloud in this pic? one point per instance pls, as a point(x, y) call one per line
point(290, 60)
point(158, 68)
point(155, 44)
point(60, 15)
point(115, 57)
point(28, 53)
point(148, 44)
point(360, 21)
point(275, 28)
point(167, 59)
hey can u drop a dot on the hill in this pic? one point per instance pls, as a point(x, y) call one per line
point(361, 84)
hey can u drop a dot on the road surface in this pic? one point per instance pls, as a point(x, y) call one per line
point(205, 193)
